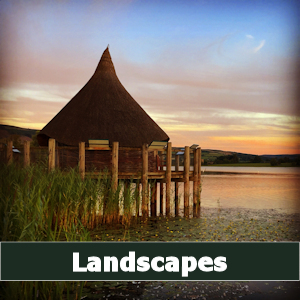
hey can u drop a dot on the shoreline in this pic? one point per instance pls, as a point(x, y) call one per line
point(246, 173)
point(259, 213)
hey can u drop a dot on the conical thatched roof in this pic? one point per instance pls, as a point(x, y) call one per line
point(102, 109)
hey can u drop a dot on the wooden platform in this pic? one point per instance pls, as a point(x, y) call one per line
point(162, 175)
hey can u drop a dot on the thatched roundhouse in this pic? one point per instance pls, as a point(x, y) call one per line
point(102, 110)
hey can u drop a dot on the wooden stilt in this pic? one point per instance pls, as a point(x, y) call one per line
point(154, 204)
point(199, 175)
point(186, 178)
point(145, 193)
point(168, 178)
point(82, 159)
point(114, 178)
point(51, 158)
point(176, 187)
point(161, 197)
point(195, 182)
point(26, 153)
point(114, 165)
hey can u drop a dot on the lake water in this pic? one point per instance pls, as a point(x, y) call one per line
point(251, 188)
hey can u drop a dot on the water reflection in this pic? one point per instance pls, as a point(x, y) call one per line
point(245, 187)
point(252, 191)
point(254, 170)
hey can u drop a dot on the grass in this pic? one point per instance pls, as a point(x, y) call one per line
point(37, 205)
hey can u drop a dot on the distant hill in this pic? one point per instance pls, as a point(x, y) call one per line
point(211, 155)
point(7, 130)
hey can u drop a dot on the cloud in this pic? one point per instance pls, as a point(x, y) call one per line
point(249, 36)
point(262, 43)
point(28, 113)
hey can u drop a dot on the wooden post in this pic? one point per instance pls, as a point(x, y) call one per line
point(195, 182)
point(114, 165)
point(199, 175)
point(186, 178)
point(154, 192)
point(115, 179)
point(51, 155)
point(82, 159)
point(176, 187)
point(26, 153)
point(161, 197)
point(145, 199)
point(196, 173)
point(168, 178)
point(197, 212)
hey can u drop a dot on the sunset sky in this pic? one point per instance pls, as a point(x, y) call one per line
point(221, 74)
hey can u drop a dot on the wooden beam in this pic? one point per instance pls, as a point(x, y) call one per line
point(176, 187)
point(145, 197)
point(26, 153)
point(82, 159)
point(9, 152)
point(114, 165)
point(168, 178)
point(186, 172)
point(51, 155)
point(98, 148)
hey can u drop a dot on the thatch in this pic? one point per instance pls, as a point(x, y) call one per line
point(102, 109)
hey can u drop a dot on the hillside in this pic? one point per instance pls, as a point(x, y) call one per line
point(211, 155)
point(7, 130)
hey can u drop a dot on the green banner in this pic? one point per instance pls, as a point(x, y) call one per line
point(131, 261)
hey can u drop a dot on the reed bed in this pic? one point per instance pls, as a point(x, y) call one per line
point(37, 205)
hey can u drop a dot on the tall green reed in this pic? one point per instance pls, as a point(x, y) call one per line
point(37, 205)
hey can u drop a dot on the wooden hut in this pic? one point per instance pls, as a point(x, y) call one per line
point(103, 116)
point(102, 110)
